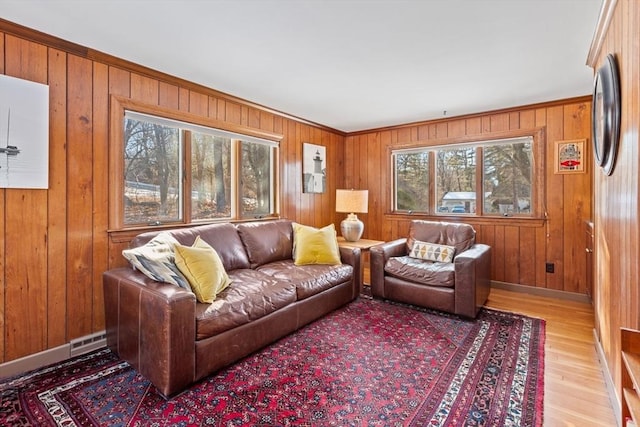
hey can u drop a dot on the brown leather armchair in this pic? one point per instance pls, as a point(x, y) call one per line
point(459, 287)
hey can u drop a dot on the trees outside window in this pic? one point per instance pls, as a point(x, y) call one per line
point(456, 180)
point(412, 181)
point(152, 187)
point(256, 177)
point(229, 175)
point(210, 176)
point(481, 178)
point(507, 177)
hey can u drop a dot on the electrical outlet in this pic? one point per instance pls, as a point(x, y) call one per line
point(550, 267)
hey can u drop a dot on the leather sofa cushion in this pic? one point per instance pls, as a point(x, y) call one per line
point(223, 238)
point(422, 272)
point(267, 242)
point(461, 236)
point(251, 295)
point(308, 279)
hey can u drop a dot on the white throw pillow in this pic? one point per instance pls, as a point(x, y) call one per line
point(156, 260)
point(432, 252)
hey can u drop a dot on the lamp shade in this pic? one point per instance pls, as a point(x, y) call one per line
point(352, 201)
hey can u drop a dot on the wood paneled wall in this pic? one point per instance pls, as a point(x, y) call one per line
point(55, 243)
point(616, 197)
point(520, 247)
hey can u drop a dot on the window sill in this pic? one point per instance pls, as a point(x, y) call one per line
point(471, 219)
point(125, 235)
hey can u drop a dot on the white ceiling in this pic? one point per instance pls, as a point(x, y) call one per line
point(347, 64)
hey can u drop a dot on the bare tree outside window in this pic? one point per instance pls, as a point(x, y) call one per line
point(210, 176)
point(228, 176)
point(152, 172)
point(507, 178)
point(455, 180)
point(502, 187)
point(256, 178)
point(412, 181)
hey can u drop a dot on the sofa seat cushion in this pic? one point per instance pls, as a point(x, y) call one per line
point(251, 295)
point(308, 279)
point(421, 271)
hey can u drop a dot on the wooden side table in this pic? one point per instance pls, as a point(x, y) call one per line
point(364, 245)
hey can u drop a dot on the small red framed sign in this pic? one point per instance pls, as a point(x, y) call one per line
point(569, 156)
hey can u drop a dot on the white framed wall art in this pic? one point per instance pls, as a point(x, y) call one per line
point(24, 133)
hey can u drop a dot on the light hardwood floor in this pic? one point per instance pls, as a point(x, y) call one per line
point(575, 393)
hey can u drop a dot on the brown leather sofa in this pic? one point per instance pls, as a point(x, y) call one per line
point(173, 340)
point(459, 287)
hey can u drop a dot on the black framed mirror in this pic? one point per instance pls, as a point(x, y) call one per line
point(605, 115)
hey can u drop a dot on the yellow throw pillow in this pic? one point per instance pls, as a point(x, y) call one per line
point(203, 268)
point(315, 245)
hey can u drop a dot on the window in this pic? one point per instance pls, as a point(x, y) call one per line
point(210, 176)
point(456, 180)
point(507, 173)
point(257, 179)
point(412, 178)
point(492, 177)
point(152, 171)
point(179, 171)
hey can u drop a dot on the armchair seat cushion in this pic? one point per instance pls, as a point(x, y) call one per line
point(422, 272)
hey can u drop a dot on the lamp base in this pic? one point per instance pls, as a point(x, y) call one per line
point(352, 228)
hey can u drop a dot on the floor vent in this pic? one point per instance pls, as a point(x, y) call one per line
point(88, 343)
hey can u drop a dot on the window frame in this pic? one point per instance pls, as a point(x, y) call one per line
point(538, 209)
point(120, 105)
point(394, 175)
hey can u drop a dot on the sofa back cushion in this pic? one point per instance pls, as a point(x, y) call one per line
point(267, 241)
point(223, 238)
point(460, 236)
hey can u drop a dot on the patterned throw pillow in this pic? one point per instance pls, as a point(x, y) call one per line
point(156, 260)
point(432, 252)
point(203, 267)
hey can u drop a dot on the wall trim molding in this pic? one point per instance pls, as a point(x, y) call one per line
point(614, 399)
point(543, 292)
point(50, 356)
point(545, 104)
point(34, 361)
point(604, 20)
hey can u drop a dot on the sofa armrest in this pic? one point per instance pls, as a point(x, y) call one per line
point(472, 279)
point(378, 257)
point(353, 257)
point(151, 325)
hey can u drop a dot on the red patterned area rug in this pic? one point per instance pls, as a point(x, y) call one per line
point(370, 363)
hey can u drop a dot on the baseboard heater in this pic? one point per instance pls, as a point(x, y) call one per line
point(87, 343)
point(75, 347)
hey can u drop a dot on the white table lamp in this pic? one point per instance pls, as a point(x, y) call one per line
point(352, 202)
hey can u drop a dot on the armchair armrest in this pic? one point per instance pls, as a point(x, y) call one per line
point(353, 257)
point(473, 279)
point(379, 255)
point(151, 325)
